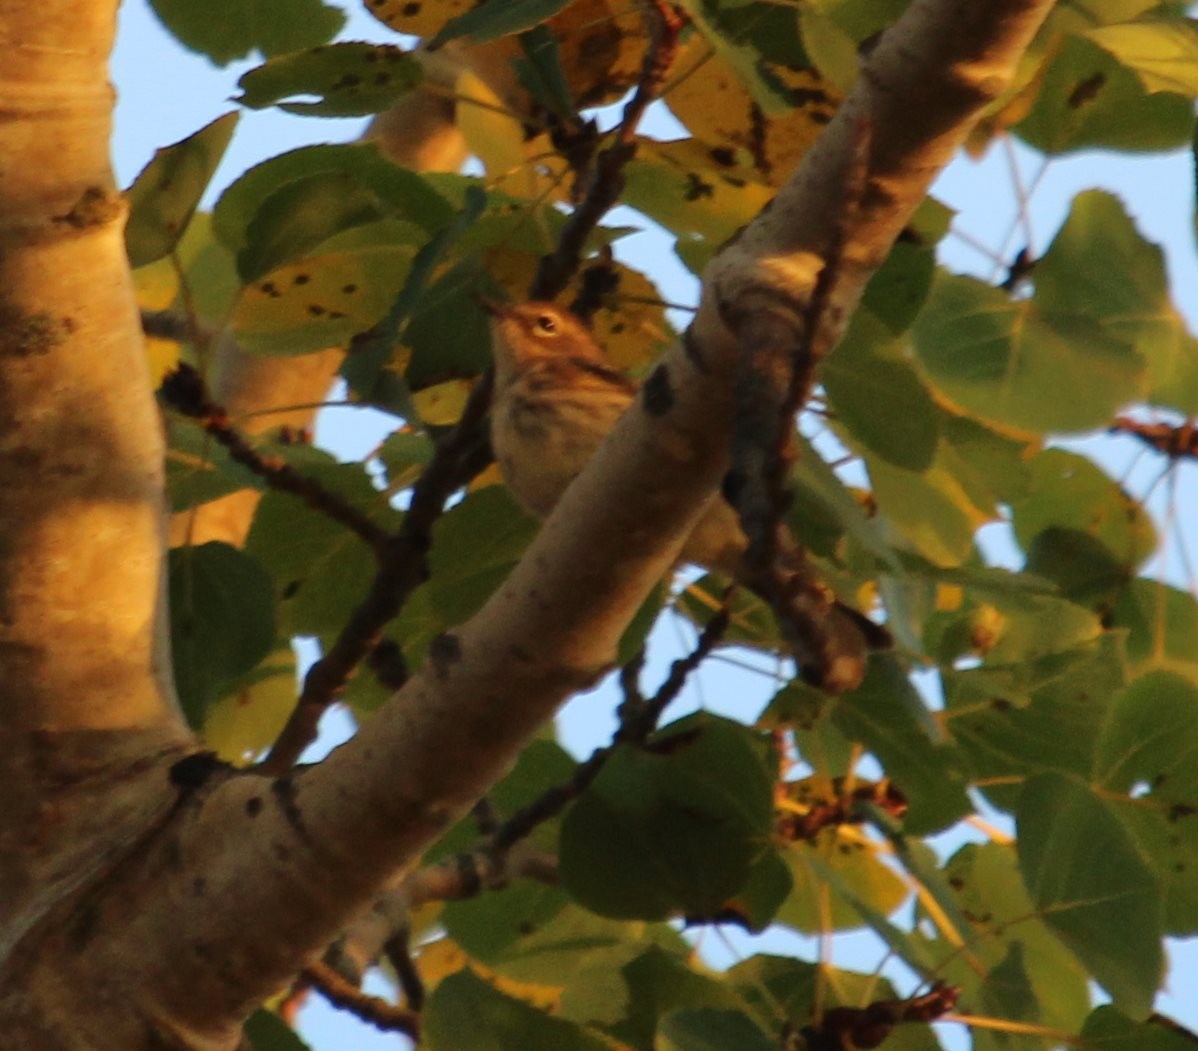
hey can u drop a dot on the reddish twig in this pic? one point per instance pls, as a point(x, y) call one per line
point(184, 391)
point(867, 1027)
point(1174, 442)
point(842, 810)
point(372, 1009)
point(607, 177)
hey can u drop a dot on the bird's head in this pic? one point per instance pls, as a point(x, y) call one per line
point(523, 332)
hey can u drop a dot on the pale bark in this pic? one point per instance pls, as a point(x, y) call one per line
point(246, 878)
point(87, 709)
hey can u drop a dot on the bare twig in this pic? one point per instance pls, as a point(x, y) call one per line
point(373, 1009)
point(607, 178)
point(399, 955)
point(184, 391)
point(1174, 442)
point(638, 719)
point(458, 457)
point(867, 1027)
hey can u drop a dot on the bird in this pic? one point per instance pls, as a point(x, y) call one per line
point(555, 399)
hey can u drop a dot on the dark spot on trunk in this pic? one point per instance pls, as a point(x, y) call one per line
point(658, 394)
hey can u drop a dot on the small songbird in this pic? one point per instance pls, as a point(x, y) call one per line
point(556, 398)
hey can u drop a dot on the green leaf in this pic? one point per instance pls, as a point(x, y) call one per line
point(899, 287)
point(198, 468)
point(1089, 100)
point(225, 30)
point(266, 1031)
point(253, 218)
point(744, 57)
point(320, 301)
point(1163, 54)
point(348, 80)
point(542, 765)
point(1109, 1029)
point(464, 1011)
point(627, 992)
point(449, 332)
point(1092, 886)
point(1007, 362)
point(888, 717)
point(1043, 714)
point(539, 71)
point(165, 194)
point(780, 992)
point(1080, 565)
point(1019, 968)
point(820, 904)
point(475, 545)
point(683, 186)
point(709, 1029)
point(1068, 491)
point(675, 827)
point(1149, 750)
point(930, 508)
point(498, 18)
point(1100, 268)
point(531, 932)
point(222, 620)
point(879, 398)
point(321, 570)
point(1162, 625)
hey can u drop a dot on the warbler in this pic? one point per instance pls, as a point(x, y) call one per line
point(556, 397)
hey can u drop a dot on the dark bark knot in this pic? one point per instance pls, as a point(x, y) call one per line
point(658, 394)
point(445, 651)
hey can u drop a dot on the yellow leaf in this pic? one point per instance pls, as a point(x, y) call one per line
point(710, 100)
point(441, 405)
point(417, 17)
point(494, 135)
point(242, 724)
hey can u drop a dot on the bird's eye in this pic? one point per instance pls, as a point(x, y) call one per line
point(546, 323)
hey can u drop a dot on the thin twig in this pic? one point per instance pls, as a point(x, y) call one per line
point(607, 177)
point(458, 457)
point(1174, 442)
point(372, 1009)
point(185, 392)
point(869, 1026)
point(637, 722)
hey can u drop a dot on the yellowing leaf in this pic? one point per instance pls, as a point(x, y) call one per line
point(711, 101)
point(494, 135)
point(246, 720)
point(442, 405)
point(319, 302)
point(417, 17)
